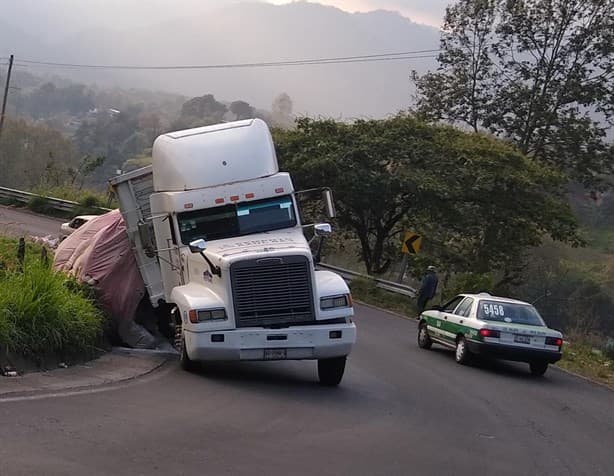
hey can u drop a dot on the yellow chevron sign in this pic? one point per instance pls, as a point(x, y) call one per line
point(411, 243)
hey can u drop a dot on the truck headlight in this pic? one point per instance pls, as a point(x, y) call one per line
point(207, 315)
point(332, 302)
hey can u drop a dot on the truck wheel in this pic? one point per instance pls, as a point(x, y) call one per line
point(538, 368)
point(424, 339)
point(462, 354)
point(184, 361)
point(330, 371)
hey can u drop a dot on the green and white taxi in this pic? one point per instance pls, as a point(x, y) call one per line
point(481, 324)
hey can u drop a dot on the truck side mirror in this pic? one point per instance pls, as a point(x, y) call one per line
point(327, 195)
point(322, 229)
point(198, 246)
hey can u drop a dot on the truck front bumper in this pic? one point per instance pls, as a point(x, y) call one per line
point(256, 343)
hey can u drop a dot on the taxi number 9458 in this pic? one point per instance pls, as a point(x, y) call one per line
point(493, 309)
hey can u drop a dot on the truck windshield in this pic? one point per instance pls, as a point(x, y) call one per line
point(513, 313)
point(237, 219)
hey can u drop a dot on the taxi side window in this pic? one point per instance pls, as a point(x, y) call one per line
point(450, 306)
point(465, 307)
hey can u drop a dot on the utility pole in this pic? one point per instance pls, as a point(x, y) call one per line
point(6, 93)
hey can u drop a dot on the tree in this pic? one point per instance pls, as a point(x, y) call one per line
point(242, 110)
point(478, 201)
point(204, 107)
point(31, 154)
point(282, 110)
point(537, 72)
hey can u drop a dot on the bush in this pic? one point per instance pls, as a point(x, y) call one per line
point(41, 205)
point(44, 311)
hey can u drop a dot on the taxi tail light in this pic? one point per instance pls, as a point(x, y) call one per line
point(554, 341)
point(489, 333)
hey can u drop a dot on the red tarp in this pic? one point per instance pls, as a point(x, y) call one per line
point(99, 253)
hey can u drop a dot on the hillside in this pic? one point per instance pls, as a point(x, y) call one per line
point(240, 33)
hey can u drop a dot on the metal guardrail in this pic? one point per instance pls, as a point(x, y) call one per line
point(380, 283)
point(69, 206)
point(56, 203)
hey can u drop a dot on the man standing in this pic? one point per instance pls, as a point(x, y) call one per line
point(428, 288)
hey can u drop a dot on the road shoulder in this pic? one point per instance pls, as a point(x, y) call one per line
point(118, 366)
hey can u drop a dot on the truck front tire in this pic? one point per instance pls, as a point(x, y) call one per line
point(184, 360)
point(330, 371)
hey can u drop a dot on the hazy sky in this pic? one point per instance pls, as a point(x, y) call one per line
point(430, 12)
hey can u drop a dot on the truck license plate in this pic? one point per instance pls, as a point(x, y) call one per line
point(522, 339)
point(275, 354)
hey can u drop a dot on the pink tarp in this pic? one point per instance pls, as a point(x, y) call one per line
point(99, 253)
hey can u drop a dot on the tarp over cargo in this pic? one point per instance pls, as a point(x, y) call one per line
point(99, 253)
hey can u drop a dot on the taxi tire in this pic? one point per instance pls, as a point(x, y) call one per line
point(538, 368)
point(424, 339)
point(461, 353)
point(330, 371)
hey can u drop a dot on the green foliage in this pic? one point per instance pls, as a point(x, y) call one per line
point(537, 72)
point(41, 205)
point(48, 100)
point(32, 154)
point(478, 202)
point(366, 291)
point(470, 283)
point(572, 291)
point(41, 311)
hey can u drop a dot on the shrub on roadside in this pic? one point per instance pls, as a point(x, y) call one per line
point(44, 311)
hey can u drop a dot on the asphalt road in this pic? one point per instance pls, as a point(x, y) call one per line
point(18, 222)
point(399, 410)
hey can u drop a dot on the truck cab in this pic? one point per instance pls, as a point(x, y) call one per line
point(217, 235)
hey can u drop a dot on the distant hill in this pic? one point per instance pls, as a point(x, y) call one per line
point(248, 32)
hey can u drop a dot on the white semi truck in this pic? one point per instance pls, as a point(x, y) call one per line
point(216, 232)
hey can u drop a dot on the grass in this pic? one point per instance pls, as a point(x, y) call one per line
point(366, 291)
point(584, 359)
point(43, 311)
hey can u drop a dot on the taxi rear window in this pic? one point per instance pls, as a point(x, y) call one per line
point(510, 313)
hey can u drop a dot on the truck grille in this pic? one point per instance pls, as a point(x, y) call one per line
point(272, 291)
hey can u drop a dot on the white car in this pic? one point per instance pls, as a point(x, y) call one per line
point(481, 324)
point(68, 227)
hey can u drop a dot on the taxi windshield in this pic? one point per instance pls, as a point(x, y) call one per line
point(238, 219)
point(511, 313)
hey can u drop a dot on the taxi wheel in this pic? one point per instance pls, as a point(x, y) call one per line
point(424, 339)
point(462, 354)
point(538, 368)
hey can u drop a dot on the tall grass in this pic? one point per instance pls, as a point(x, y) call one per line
point(43, 311)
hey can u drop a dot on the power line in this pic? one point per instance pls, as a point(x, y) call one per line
point(395, 56)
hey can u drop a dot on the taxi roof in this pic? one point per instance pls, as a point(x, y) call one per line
point(490, 297)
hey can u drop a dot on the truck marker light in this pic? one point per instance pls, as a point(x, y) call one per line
point(188, 205)
point(234, 198)
point(193, 316)
point(249, 195)
point(279, 190)
point(219, 200)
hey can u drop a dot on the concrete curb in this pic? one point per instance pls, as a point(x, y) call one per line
point(116, 367)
